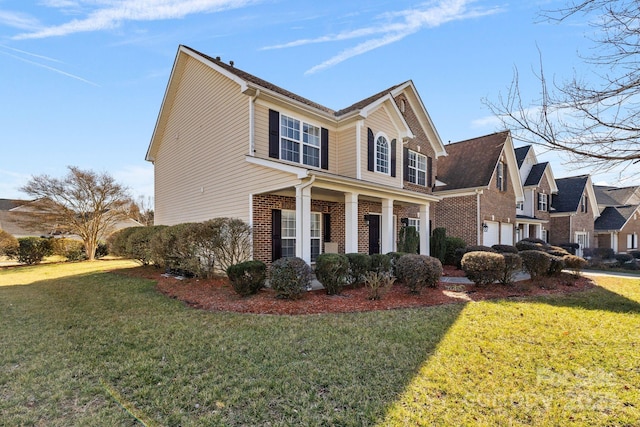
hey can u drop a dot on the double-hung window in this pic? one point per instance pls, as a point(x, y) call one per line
point(316, 233)
point(288, 230)
point(299, 141)
point(382, 155)
point(501, 176)
point(414, 222)
point(417, 168)
point(543, 202)
point(583, 203)
point(632, 241)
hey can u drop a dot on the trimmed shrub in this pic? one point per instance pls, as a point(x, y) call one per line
point(556, 266)
point(603, 253)
point(575, 264)
point(512, 265)
point(248, 277)
point(557, 251)
point(138, 244)
point(570, 247)
point(102, 250)
point(332, 270)
point(378, 283)
point(117, 241)
point(417, 271)
point(635, 254)
point(228, 240)
point(535, 240)
point(483, 268)
point(393, 258)
point(527, 245)
point(439, 243)
point(623, 258)
point(359, 264)
point(408, 240)
point(505, 249)
point(535, 262)
point(471, 248)
point(380, 263)
point(453, 244)
point(290, 277)
point(8, 244)
point(631, 265)
point(32, 250)
point(169, 250)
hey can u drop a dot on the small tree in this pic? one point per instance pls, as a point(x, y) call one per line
point(439, 244)
point(408, 240)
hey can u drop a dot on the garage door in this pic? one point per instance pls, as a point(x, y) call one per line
point(492, 235)
point(506, 234)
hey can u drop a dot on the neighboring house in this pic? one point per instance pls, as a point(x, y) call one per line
point(307, 178)
point(618, 225)
point(539, 186)
point(480, 185)
point(574, 210)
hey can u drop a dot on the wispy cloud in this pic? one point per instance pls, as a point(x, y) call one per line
point(112, 13)
point(18, 20)
point(392, 27)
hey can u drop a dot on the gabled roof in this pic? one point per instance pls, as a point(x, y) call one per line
point(521, 154)
point(614, 218)
point(536, 174)
point(615, 196)
point(8, 204)
point(570, 192)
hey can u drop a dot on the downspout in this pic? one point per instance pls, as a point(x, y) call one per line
point(252, 126)
point(301, 222)
point(478, 224)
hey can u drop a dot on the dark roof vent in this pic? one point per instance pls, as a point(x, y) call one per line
point(231, 63)
point(217, 58)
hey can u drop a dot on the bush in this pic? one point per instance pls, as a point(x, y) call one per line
point(228, 240)
point(439, 243)
point(453, 244)
point(380, 263)
point(290, 277)
point(528, 245)
point(535, 262)
point(359, 264)
point(557, 251)
point(570, 247)
point(32, 250)
point(171, 250)
point(505, 249)
point(408, 240)
point(635, 254)
point(138, 244)
point(575, 264)
point(332, 270)
point(631, 265)
point(378, 283)
point(471, 248)
point(393, 259)
point(417, 271)
point(483, 268)
point(556, 265)
point(512, 265)
point(623, 258)
point(102, 250)
point(8, 244)
point(117, 241)
point(248, 277)
point(603, 253)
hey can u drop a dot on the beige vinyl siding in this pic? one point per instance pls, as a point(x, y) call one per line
point(346, 152)
point(379, 121)
point(200, 166)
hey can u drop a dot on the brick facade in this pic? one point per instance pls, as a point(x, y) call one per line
point(459, 216)
point(563, 228)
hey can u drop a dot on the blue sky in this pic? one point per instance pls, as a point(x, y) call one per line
point(81, 81)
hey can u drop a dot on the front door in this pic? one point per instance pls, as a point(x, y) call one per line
point(581, 239)
point(374, 234)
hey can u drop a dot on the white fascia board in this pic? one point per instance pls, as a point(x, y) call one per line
point(299, 172)
point(383, 102)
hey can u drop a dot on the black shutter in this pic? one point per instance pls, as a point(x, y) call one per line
point(276, 234)
point(505, 178)
point(274, 134)
point(393, 157)
point(324, 148)
point(371, 151)
point(405, 161)
point(327, 227)
point(429, 172)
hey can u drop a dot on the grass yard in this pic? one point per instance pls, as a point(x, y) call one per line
point(83, 346)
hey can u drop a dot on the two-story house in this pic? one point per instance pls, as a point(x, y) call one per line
point(539, 186)
point(574, 211)
point(480, 185)
point(618, 225)
point(307, 178)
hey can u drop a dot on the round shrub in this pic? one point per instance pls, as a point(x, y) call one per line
point(8, 244)
point(557, 251)
point(556, 266)
point(290, 277)
point(603, 253)
point(380, 263)
point(117, 241)
point(393, 259)
point(527, 245)
point(453, 244)
point(138, 244)
point(248, 277)
point(471, 248)
point(512, 265)
point(623, 258)
point(575, 263)
point(332, 270)
point(483, 268)
point(417, 271)
point(505, 249)
point(359, 264)
point(635, 254)
point(535, 262)
point(32, 250)
point(570, 247)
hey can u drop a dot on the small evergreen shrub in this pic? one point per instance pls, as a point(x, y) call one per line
point(570, 247)
point(631, 265)
point(117, 241)
point(453, 244)
point(32, 250)
point(75, 251)
point(290, 277)
point(378, 283)
point(556, 266)
point(417, 271)
point(603, 253)
point(527, 245)
point(138, 244)
point(408, 240)
point(557, 251)
point(8, 244)
point(483, 268)
point(575, 263)
point(505, 249)
point(359, 264)
point(512, 265)
point(248, 277)
point(535, 262)
point(102, 250)
point(623, 258)
point(635, 254)
point(332, 270)
point(535, 240)
point(380, 263)
point(471, 248)
point(439, 243)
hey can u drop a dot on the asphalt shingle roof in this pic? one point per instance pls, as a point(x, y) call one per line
point(521, 154)
point(536, 174)
point(614, 196)
point(614, 217)
point(569, 193)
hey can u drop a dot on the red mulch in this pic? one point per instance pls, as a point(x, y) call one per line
point(218, 295)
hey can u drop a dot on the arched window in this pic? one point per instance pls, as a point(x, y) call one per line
point(382, 155)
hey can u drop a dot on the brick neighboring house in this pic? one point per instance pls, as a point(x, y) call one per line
point(539, 186)
point(480, 185)
point(618, 225)
point(574, 211)
point(307, 178)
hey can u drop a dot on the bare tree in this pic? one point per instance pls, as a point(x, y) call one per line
point(83, 202)
point(596, 120)
point(141, 210)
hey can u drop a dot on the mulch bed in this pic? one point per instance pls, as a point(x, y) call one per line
point(218, 295)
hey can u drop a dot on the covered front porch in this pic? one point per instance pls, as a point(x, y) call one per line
point(528, 227)
point(327, 213)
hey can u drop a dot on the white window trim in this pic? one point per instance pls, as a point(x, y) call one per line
point(301, 142)
point(388, 141)
point(632, 241)
point(416, 168)
point(294, 237)
point(543, 202)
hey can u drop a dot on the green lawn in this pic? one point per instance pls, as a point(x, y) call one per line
point(82, 346)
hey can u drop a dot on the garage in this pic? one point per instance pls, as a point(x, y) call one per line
point(506, 234)
point(491, 233)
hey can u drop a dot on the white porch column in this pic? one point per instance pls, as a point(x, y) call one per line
point(424, 230)
point(387, 237)
point(303, 222)
point(350, 223)
point(614, 241)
